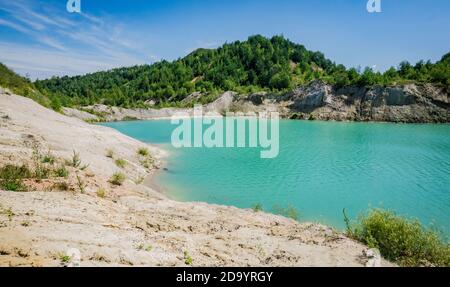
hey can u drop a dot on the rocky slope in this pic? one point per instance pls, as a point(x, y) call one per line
point(131, 224)
point(319, 101)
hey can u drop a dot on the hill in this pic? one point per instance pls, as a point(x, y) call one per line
point(257, 64)
point(22, 86)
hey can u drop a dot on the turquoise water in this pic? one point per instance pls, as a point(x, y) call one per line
point(322, 168)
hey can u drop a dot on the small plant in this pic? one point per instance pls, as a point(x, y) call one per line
point(64, 258)
point(48, 158)
point(347, 223)
point(139, 180)
point(12, 176)
point(40, 170)
point(187, 258)
point(81, 185)
point(101, 193)
point(257, 207)
point(62, 172)
point(110, 153)
point(147, 162)
point(117, 179)
point(289, 212)
point(75, 160)
point(143, 152)
point(401, 240)
point(121, 163)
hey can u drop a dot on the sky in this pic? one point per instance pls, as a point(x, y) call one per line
point(41, 39)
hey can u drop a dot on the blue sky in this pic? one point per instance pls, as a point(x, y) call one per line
point(39, 38)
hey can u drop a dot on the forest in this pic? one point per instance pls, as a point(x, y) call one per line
point(257, 64)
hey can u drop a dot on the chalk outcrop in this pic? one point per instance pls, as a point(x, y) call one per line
point(407, 104)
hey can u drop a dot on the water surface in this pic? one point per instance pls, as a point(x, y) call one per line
point(322, 168)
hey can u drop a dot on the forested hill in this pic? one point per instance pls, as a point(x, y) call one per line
point(22, 86)
point(259, 63)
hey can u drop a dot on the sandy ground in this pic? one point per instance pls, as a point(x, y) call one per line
point(133, 224)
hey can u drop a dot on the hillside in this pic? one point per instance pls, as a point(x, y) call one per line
point(258, 64)
point(22, 86)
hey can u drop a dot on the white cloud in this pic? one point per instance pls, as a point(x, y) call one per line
point(14, 26)
point(40, 63)
point(68, 44)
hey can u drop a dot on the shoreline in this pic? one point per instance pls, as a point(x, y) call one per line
point(281, 118)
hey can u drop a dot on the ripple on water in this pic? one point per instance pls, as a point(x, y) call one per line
point(321, 169)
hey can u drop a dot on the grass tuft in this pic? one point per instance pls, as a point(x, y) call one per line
point(101, 193)
point(61, 172)
point(117, 179)
point(12, 176)
point(121, 163)
point(143, 151)
point(187, 258)
point(257, 207)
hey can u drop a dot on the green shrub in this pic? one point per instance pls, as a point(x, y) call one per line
point(401, 240)
point(121, 163)
point(257, 207)
point(101, 193)
point(187, 258)
point(48, 158)
point(12, 176)
point(64, 258)
point(117, 179)
point(61, 172)
point(143, 151)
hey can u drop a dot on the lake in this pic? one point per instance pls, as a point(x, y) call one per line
point(322, 168)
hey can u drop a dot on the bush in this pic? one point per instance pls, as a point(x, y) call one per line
point(187, 258)
point(117, 179)
point(62, 172)
point(101, 193)
point(11, 177)
point(401, 240)
point(143, 151)
point(48, 158)
point(257, 207)
point(121, 163)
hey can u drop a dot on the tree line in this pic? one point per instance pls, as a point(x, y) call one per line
point(257, 64)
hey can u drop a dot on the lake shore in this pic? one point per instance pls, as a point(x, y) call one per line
point(130, 224)
point(409, 103)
